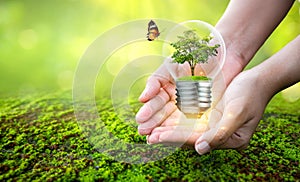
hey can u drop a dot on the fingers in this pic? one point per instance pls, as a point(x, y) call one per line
point(184, 134)
point(152, 88)
point(156, 119)
point(177, 129)
point(174, 136)
point(152, 106)
point(177, 70)
point(170, 89)
point(160, 79)
point(173, 120)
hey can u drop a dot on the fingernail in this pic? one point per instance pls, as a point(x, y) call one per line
point(147, 137)
point(203, 148)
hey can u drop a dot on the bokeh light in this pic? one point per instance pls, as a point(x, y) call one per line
point(292, 94)
point(42, 40)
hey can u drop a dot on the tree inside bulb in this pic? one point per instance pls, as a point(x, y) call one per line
point(196, 59)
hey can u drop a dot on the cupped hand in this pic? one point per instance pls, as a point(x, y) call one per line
point(232, 121)
point(159, 96)
point(159, 93)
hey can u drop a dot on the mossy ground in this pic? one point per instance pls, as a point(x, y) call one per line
point(41, 140)
point(193, 78)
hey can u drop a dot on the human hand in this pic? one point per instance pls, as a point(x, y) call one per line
point(159, 97)
point(232, 121)
point(245, 99)
point(159, 94)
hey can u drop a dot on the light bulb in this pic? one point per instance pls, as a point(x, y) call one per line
point(200, 50)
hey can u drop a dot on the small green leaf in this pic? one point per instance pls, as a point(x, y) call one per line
point(193, 49)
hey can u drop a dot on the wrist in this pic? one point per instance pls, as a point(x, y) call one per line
point(245, 25)
point(237, 45)
point(235, 59)
point(263, 83)
point(282, 69)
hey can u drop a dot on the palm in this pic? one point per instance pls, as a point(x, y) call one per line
point(175, 128)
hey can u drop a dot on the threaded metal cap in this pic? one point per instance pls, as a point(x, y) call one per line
point(193, 97)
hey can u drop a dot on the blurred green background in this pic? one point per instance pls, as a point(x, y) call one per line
point(41, 42)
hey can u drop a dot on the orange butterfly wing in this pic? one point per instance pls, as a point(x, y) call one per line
point(153, 31)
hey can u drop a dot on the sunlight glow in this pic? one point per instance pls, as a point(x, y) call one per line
point(131, 52)
point(64, 79)
point(28, 39)
point(292, 93)
point(229, 115)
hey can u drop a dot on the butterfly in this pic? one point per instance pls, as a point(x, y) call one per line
point(153, 32)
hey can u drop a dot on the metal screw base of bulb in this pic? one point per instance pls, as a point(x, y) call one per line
point(193, 97)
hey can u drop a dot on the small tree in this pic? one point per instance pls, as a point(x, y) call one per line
point(191, 48)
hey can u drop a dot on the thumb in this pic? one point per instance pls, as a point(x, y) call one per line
point(218, 135)
point(211, 139)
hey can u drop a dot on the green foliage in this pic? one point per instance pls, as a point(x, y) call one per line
point(40, 140)
point(31, 45)
point(193, 49)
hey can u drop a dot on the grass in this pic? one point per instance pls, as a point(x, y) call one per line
point(193, 78)
point(41, 140)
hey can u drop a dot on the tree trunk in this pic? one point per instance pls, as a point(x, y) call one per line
point(192, 70)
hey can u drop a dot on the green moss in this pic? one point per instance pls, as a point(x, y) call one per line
point(193, 78)
point(40, 140)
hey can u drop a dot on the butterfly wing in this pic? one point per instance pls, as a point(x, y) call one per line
point(152, 34)
point(153, 31)
point(151, 25)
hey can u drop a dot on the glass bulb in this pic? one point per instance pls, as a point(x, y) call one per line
point(196, 54)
